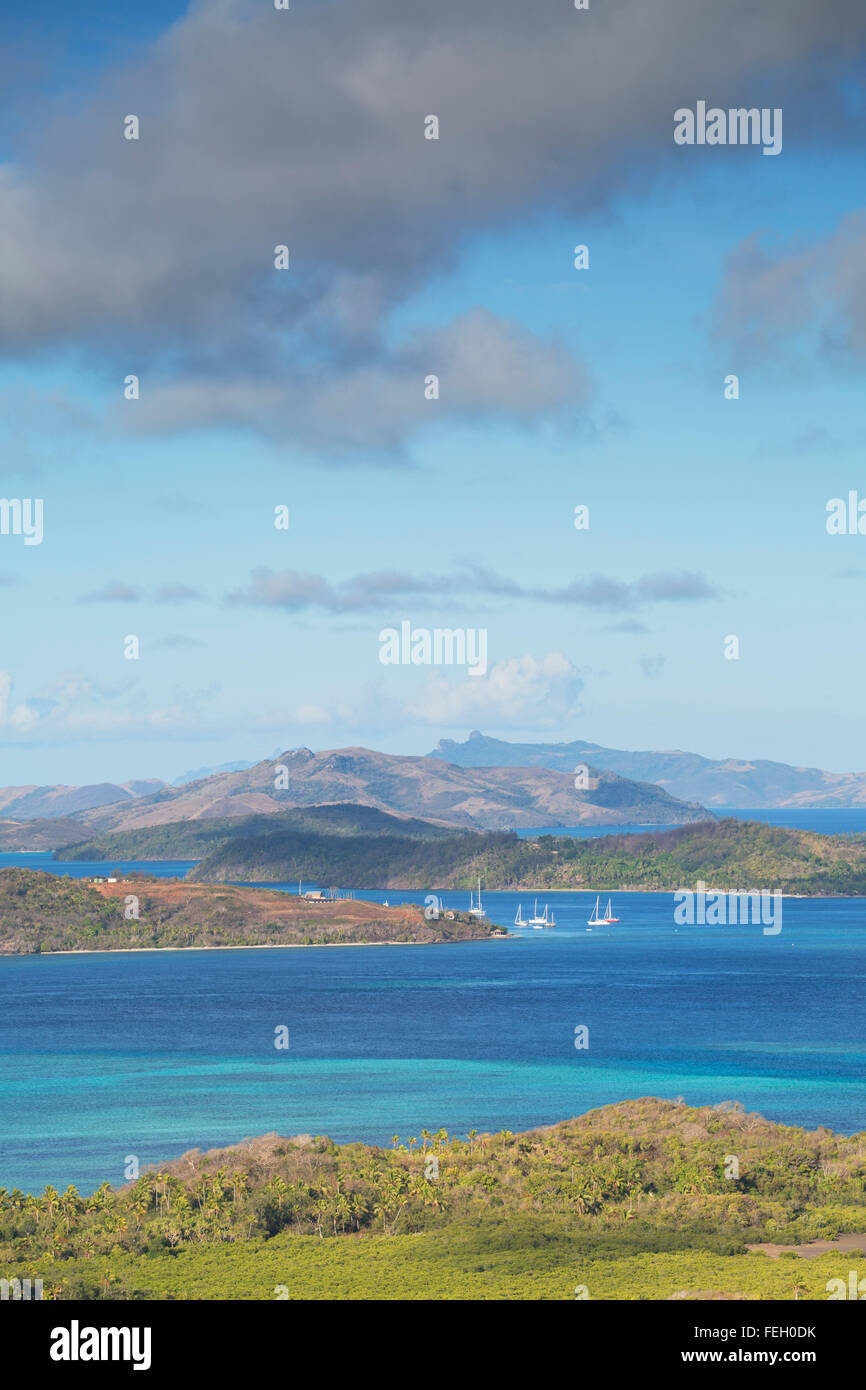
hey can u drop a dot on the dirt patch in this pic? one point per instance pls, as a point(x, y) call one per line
point(814, 1248)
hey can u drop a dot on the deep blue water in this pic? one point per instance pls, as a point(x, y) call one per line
point(45, 863)
point(103, 1056)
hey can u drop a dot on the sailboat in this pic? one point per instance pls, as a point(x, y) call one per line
point(535, 920)
point(519, 920)
point(476, 909)
point(542, 920)
point(595, 920)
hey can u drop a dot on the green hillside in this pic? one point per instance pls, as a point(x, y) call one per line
point(725, 854)
point(193, 839)
point(50, 912)
point(636, 1200)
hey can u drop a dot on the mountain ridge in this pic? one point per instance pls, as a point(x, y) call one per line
point(402, 785)
point(727, 783)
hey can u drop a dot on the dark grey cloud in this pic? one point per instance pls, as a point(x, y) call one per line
point(775, 294)
point(485, 365)
point(296, 592)
point(305, 127)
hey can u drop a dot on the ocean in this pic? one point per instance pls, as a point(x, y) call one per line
point(844, 820)
point(152, 1053)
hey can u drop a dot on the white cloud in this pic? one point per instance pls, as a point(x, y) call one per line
point(521, 692)
point(74, 707)
point(13, 717)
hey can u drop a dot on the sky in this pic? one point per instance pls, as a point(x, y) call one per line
point(409, 257)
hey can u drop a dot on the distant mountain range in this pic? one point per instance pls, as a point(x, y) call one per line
point(49, 803)
point(487, 798)
point(730, 782)
point(482, 784)
point(198, 773)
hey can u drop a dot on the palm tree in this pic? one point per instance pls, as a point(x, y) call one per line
point(163, 1180)
point(69, 1204)
point(140, 1205)
point(219, 1183)
point(240, 1184)
point(280, 1190)
point(99, 1199)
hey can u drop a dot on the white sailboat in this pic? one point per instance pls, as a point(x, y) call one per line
point(476, 909)
point(519, 920)
point(595, 920)
point(535, 920)
point(544, 919)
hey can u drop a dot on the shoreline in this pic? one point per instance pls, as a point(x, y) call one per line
point(432, 888)
point(255, 946)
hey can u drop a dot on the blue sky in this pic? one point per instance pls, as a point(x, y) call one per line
point(602, 387)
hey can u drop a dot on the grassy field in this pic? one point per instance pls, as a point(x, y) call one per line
point(494, 1262)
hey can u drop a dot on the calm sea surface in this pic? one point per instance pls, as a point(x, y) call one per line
point(839, 821)
point(150, 1054)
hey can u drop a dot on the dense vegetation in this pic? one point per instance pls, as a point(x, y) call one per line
point(48, 912)
point(192, 839)
point(633, 1200)
point(725, 854)
point(359, 861)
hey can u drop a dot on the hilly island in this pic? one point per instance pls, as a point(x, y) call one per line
point(633, 1200)
point(357, 848)
point(485, 798)
point(42, 912)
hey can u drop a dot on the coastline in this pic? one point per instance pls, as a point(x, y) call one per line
point(255, 946)
point(434, 888)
